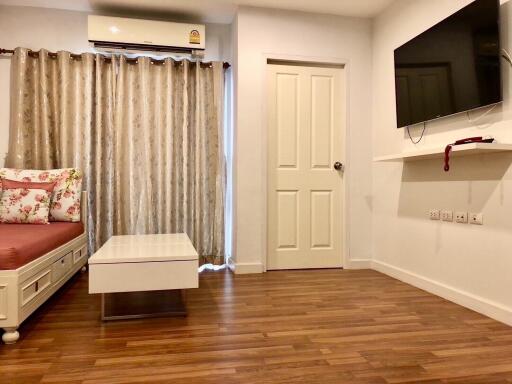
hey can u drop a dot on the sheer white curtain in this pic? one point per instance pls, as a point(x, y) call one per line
point(148, 137)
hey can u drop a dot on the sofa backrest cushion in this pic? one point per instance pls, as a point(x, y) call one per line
point(65, 199)
point(24, 206)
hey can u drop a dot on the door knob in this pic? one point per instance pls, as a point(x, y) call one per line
point(338, 166)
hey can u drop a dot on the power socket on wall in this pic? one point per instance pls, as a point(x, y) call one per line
point(434, 214)
point(476, 218)
point(461, 217)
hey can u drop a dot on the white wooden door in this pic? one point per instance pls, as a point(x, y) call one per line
point(306, 131)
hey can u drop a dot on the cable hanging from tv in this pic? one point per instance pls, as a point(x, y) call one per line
point(506, 55)
point(422, 133)
point(482, 115)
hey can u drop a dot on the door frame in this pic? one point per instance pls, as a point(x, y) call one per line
point(308, 61)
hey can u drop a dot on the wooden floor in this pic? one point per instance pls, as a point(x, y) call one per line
point(325, 327)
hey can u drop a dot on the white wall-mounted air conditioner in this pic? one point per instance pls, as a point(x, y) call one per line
point(116, 33)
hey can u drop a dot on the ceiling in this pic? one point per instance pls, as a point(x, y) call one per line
point(213, 11)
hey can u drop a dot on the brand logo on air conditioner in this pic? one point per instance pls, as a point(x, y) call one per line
point(194, 37)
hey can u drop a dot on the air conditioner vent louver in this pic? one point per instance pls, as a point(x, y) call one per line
point(140, 47)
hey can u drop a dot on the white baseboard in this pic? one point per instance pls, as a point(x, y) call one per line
point(247, 268)
point(359, 264)
point(468, 300)
point(244, 268)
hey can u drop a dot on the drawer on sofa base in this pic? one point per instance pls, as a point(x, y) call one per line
point(80, 254)
point(62, 266)
point(36, 287)
point(3, 301)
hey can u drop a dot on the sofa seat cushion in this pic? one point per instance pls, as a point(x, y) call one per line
point(20, 244)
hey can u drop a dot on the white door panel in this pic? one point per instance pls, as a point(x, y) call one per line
point(287, 120)
point(305, 192)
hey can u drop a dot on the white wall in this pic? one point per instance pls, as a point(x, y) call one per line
point(52, 29)
point(260, 32)
point(465, 263)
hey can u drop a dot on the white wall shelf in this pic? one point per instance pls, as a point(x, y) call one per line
point(457, 151)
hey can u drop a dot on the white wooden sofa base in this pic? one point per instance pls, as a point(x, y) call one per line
point(25, 289)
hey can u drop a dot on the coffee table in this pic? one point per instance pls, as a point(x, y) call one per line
point(135, 273)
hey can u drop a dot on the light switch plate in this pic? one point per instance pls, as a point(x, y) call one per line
point(434, 214)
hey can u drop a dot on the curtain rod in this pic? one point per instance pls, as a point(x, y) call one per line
point(3, 51)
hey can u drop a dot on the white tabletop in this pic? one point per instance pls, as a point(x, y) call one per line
point(145, 248)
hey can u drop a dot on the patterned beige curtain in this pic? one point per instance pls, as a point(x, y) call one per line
point(148, 137)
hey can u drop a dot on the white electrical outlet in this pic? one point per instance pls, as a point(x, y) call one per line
point(461, 217)
point(447, 215)
point(434, 214)
point(476, 218)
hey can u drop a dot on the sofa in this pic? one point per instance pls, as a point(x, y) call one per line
point(35, 261)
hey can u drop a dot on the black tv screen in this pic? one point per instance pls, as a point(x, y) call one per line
point(450, 68)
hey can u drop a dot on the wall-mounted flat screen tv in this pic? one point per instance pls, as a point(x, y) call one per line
point(450, 68)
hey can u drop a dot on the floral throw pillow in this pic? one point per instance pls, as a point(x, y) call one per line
point(65, 199)
point(25, 206)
